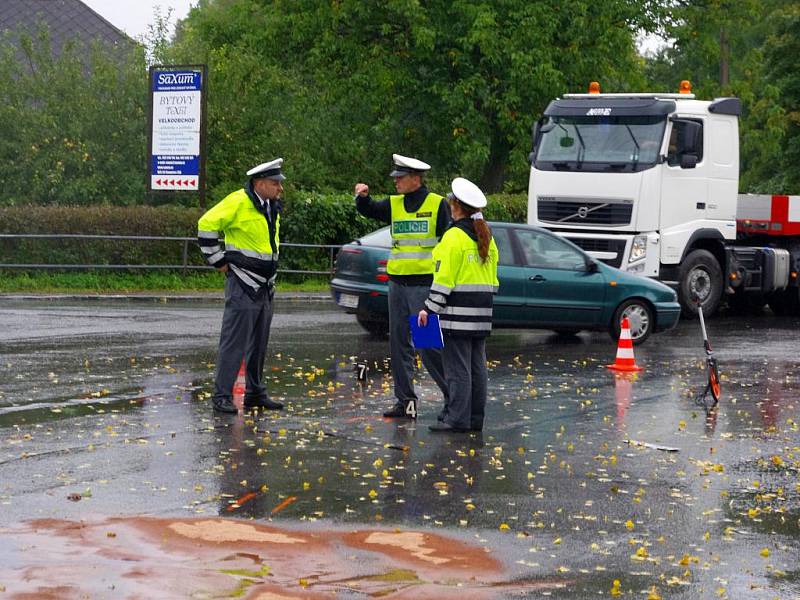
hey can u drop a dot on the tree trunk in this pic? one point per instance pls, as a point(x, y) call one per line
point(494, 173)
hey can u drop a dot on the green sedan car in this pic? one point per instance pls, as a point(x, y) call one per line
point(546, 282)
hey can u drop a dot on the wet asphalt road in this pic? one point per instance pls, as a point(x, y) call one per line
point(111, 401)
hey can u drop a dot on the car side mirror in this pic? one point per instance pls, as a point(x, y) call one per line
point(591, 266)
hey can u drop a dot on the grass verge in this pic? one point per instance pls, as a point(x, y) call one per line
point(99, 282)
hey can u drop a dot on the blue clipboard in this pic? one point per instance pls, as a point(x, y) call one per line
point(429, 336)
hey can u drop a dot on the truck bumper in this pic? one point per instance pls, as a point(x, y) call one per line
point(614, 249)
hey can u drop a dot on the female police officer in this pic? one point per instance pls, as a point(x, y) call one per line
point(464, 284)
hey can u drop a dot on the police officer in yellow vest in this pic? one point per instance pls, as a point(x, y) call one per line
point(418, 218)
point(250, 219)
point(462, 294)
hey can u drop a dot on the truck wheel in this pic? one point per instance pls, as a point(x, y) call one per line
point(700, 278)
point(375, 328)
point(640, 318)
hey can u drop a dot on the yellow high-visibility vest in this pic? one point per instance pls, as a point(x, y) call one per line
point(413, 236)
point(463, 288)
point(247, 239)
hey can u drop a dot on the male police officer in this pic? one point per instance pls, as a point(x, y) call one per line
point(418, 218)
point(250, 220)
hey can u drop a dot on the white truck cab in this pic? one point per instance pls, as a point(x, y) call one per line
point(645, 182)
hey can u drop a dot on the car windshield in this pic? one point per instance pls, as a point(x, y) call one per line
point(600, 143)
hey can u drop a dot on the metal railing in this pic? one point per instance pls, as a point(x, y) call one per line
point(332, 248)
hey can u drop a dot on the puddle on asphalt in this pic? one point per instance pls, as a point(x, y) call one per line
point(211, 558)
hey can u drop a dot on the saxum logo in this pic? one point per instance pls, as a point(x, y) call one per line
point(176, 78)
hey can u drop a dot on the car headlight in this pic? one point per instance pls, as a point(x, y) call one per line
point(638, 248)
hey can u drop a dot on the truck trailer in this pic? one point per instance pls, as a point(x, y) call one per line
point(648, 183)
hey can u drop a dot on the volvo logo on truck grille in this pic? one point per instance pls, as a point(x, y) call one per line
point(554, 209)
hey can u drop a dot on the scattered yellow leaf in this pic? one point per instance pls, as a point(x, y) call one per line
point(653, 595)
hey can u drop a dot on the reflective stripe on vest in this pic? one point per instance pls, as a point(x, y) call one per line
point(413, 236)
point(252, 253)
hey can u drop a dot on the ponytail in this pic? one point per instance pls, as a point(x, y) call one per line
point(482, 231)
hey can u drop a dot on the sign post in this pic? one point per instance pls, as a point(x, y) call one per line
point(178, 129)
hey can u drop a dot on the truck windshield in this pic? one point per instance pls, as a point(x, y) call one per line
point(600, 143)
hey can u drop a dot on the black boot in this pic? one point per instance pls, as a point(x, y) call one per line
point(442, 427)
point(224, 405)
point(262, 402)
point(398, 411)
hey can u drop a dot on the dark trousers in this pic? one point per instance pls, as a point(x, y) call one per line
point(465, 369)
point(406, 300)
point(244, 335)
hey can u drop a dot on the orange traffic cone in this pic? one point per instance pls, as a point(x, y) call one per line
point(624, 360)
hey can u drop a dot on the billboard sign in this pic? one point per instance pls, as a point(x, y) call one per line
point(177, 107)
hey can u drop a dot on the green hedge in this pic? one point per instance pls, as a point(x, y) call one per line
point(308, 218)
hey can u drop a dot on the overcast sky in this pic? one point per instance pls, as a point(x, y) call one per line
point(133, 16)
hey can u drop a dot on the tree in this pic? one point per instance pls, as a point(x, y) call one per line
point(74, 126)
point(721, 46)
point(781, 114)
point(338, 86)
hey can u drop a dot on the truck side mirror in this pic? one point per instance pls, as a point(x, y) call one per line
point(535, 134)
point(537, 130)
point(689, 140)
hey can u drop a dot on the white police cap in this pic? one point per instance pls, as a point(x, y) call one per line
point(468, 193)
point(268, 170)
point(403, 165)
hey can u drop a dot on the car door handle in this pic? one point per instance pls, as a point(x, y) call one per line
point(537, 278)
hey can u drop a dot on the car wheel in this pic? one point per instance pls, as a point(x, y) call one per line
point(374, 327)
point(700, 278)
point(640, 318)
